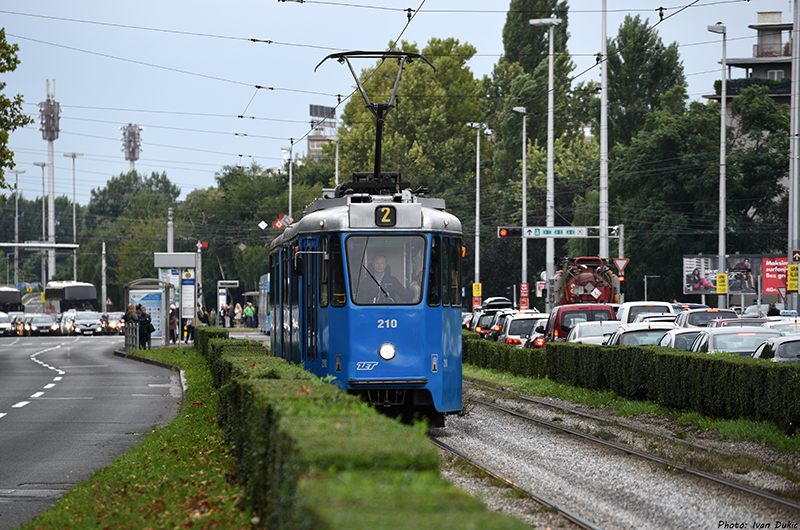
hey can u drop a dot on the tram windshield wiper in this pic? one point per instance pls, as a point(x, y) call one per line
point(374, 279)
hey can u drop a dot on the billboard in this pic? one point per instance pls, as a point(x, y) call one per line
point(747, 273)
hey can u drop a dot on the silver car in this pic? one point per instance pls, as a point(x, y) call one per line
point(87, 323)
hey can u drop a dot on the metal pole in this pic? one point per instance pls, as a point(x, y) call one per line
point(722, 169)
point(16, 222)
point(478, 127)
point(51, 206)
point(103, 291)
point(550, 245)
point(73, 156)
point(525, 196)
point(603, 143)
point(290, 175)
point(44, 220)
point(794, 152)
point(170, 232)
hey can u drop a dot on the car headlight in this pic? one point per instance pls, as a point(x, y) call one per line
point(386, 352)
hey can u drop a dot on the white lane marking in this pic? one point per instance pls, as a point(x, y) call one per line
point(3, 414)
point(36, 395)
point(57, 378)
point(20, 404)
point(49, 385)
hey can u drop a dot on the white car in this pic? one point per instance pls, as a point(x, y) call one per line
point(627, 312)
point(592, 332)
point(643, 333)
point(680, 338)
point(5, 324)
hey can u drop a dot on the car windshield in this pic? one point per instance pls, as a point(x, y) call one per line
point(739, 342)
point(4, 319)
point(90, 315)
point(570, 318)
point(644, 336)
point(790, 328)
point(594, 329)
point(521, 326)
point(44, 319)
point(635, 310)
point(702, 318)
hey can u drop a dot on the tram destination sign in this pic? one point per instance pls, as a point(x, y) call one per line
point(542, 232)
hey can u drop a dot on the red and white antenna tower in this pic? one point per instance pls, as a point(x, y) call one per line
point(131, 142)
point(49, 115)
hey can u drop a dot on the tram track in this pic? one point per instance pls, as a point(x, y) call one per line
point(666, 463)
point(576, 519)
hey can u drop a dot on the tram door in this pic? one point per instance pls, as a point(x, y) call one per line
point(309, 328)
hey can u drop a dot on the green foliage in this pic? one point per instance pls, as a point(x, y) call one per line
point(12, 116)
point(529, 45)
point(631, 95)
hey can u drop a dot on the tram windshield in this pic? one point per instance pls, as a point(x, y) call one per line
point(386, 270)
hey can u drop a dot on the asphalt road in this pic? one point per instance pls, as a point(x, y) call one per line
point(68, 407)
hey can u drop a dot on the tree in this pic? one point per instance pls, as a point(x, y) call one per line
point(530, 45)
point(11, 115)
point(132, 193)
point(640, 70)
point(665, 184)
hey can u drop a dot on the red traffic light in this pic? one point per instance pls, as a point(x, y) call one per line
point(503, 232)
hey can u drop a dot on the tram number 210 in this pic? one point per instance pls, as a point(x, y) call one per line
point(388, 323)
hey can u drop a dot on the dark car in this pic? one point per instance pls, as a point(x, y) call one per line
point(39, 324)
point(699, 318)
point(87, 323)
point(113, 323)
point(779, 349)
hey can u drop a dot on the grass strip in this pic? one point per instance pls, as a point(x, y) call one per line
point(176, 477)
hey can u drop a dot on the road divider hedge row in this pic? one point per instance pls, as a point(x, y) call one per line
point(312, 456)
point(717, 385)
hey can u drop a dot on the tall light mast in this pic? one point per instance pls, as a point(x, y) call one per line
point(131, 143)
point(49, 114)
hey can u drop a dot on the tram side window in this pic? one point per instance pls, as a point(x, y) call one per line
point(285, 276)
point(323, 272)
point(295, 281)
point(272, 278)
point(336, 263)
point(455, 273)
point(435, 275)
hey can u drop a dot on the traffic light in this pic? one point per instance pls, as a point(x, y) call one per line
point(621, 284)
point(509, 231)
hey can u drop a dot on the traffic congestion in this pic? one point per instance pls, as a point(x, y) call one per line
point(769, 332)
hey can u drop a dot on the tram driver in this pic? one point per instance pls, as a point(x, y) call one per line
point(378, 286)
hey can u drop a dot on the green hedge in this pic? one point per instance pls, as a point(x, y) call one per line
point(312, 456)
point(722, 386)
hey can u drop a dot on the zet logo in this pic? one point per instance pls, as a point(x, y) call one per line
point(366, 365)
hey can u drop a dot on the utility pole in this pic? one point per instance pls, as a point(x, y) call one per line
point(73, 156)
point(16, 222)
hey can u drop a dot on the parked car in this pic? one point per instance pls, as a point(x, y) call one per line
point(592, 332)
point(627, 311)
point(87, 323)
point(699, 318)
point(564, 317)
point(517, 327)
point(683, 306)
point(786, 327)
point(679, 338)
point(779, 349)
point(742, 341)
point(5, 325)
point(642, 333)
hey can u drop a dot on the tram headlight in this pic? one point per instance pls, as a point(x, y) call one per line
point(386, 352)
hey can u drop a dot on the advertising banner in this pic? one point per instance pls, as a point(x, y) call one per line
point(151, 301)
point(774, 273)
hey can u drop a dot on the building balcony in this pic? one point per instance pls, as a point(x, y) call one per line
point(775, 49)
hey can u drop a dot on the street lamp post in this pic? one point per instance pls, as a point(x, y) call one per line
point(720, 29)
point(16, 222)
point(478, 127)
point(550, 201)
point(73, 156)
point(44, 219)
point(523, 111)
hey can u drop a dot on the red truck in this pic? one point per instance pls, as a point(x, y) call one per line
point(583, 280)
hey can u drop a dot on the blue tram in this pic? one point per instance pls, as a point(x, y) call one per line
point(366, 288)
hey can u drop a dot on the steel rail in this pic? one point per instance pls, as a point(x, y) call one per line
point(567, 514)
point(646, 456)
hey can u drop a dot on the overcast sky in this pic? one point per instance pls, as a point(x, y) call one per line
point(185, 71)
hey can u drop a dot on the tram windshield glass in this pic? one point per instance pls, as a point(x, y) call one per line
point(386, 270)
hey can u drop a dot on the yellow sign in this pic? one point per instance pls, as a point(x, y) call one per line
point(477, 289)
point(791, 278)
point(722, 283)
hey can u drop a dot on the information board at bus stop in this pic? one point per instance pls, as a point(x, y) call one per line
point(151, 302)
